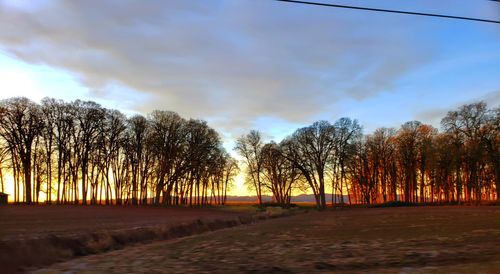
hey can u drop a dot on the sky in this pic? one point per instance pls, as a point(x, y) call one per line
point(254, 64)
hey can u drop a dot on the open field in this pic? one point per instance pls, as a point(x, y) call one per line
point(381, 240)
point(24, 222)
point(39, 235)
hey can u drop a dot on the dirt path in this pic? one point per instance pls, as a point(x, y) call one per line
point(387, 240)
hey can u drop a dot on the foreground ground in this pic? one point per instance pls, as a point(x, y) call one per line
point(34, 236)
point(383, 240)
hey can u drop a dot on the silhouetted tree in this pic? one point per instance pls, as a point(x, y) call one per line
point(468, 124)
point(345, 133)
point(309, 150)
point(20, 124)
point(137, 133)
point(279, 173)
point(80, 151)
point(407, 140)
point(249, 147)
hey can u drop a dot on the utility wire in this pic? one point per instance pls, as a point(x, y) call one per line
point(393, 11)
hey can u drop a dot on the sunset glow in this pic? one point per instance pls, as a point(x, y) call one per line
point(249, 136)
point(401, 77)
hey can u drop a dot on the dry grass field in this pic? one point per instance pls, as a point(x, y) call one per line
point(372, 240)
point(33, 236)
point(25, 222)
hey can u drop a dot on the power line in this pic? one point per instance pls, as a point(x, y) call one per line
point(393, 11)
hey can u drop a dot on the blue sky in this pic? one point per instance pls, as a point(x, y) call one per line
point(244, 64)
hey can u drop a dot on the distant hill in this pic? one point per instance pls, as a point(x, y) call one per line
point(310, 198)
point(302, 198)
point(265, 198)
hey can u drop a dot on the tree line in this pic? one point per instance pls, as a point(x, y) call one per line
point(415, 163)
point(80, 152)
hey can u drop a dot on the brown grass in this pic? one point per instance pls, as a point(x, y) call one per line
point(40, 235)
point(28, 222)
point(381, 240)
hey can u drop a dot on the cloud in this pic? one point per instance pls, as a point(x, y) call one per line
point(433, 116)
point(230, 62)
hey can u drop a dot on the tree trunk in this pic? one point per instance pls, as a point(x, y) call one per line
point(27, 179)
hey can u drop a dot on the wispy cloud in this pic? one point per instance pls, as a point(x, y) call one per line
point(433, 116)
point(231, 62)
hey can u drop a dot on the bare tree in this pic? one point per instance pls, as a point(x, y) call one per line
point(407, 139)
point(249, 147)
point(137, 131)
point(86, 149)
point(20, 125)
point(231, 169)
point(167, 129)
point(346, 132)
point(89, 118)
point(491, 140)
point(384, 147)
point(309, 149)
point(468, 124)
point(279, 173)
point(4, 151)
point(426, 135)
